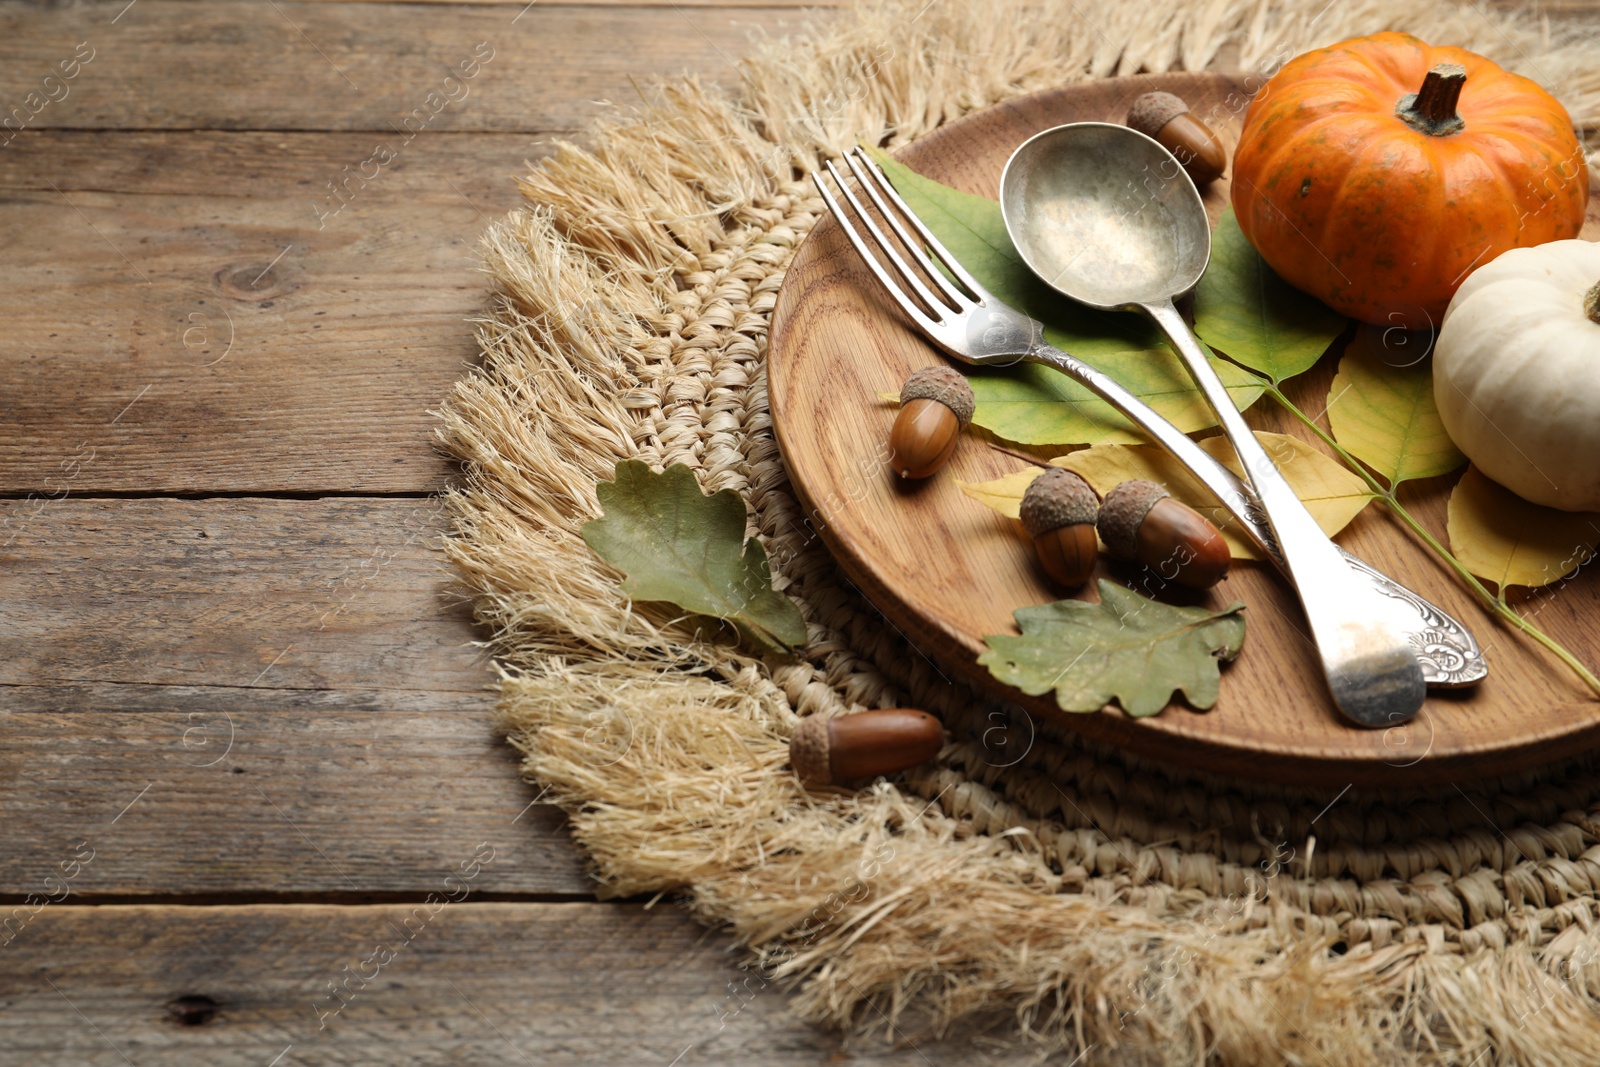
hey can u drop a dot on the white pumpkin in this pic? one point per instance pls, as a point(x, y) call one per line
point(1516, 372)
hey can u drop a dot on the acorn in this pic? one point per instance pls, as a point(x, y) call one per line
point(1140, 521)
point(936, 404)
point(864, 745)
point(1167, 119)
point(1059, 511)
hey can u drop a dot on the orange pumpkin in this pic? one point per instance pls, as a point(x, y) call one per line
point(1377, 173)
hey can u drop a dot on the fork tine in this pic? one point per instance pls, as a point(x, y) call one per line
point(907, 305)
point(901, 267)
point(950, 262)
point(878, 189)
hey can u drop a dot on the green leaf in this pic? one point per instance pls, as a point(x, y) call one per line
point(1034, 405)
point(1126, 648)
point(678, 545)
point(1385, 415)
point(1244, 309)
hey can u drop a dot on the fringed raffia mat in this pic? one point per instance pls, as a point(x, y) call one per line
point(1108, 903)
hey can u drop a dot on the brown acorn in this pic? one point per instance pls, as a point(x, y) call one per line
point(1058, 511)
point(1167, 119)
point(936, 404)
point(1140, 521)
point(864, 745)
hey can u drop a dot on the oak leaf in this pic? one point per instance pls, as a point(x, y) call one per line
point(677, 545)
point(1127, 649)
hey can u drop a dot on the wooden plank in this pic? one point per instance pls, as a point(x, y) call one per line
point(256, 165)
point(285, 686)
point(476, 983)
point(214, 794)
point(172, 64)
point(220, 322)
point(286, 594)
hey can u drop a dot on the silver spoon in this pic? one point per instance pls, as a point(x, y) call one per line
point(1106, 216)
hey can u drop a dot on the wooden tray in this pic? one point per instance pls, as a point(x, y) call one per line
point(945, 570)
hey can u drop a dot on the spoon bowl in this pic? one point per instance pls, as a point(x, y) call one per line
point(1105, 215)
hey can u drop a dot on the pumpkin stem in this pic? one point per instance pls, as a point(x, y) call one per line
point(1432, 109)
point(1591, 304)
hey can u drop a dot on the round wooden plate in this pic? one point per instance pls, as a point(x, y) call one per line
point(945, 570)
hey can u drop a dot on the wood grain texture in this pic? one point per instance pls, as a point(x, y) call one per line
point(208, 793)
point(471, 983)
point(309, 595)
point(835, 336)
point(242, 167)
point(203, 315)
point(288, 687)
point(170, 64)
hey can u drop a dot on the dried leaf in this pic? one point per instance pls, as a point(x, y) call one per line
point(1332, 494)
point(680, 546)
point(1005, 494)
point(1034, 405)
point(1244, 309)
point(1499, 536)
point(1126, 648)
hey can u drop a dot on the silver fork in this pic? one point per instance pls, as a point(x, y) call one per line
point(970, 324)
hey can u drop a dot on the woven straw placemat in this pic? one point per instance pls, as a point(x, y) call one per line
point(1110, 904)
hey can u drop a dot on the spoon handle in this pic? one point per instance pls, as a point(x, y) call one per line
point(1371, 669)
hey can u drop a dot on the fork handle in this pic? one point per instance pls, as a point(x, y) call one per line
point(1239, 500)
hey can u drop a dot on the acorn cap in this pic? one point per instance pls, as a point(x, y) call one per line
point(1154, 110)
point(1055, 499)
point(808, 750)
point(944, 384)
point(1123, 511)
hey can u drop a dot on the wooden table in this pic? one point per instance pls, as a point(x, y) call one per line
point(246, 739)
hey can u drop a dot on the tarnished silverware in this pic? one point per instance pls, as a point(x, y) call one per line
point(971, 325)
point(1120, 245)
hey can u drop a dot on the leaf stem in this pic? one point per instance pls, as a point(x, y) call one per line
point(1496, 604)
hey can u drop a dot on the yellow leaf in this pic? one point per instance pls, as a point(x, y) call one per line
point(1332, 494)
point(1499, 536)
point(1384, 413)
point(1106, 466)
